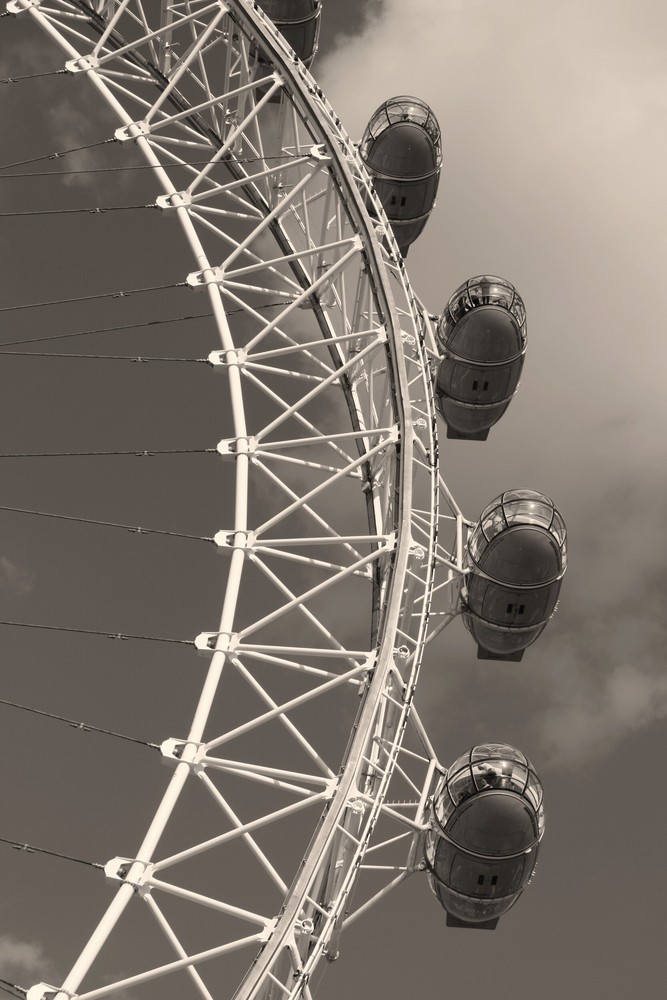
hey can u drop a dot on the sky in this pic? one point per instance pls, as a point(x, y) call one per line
point(553, 122)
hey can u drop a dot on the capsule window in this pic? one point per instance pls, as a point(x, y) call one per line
point(494, 880)
point(480, 880)
point(403, 201)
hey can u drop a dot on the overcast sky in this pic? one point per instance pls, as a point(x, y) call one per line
point(553, 121)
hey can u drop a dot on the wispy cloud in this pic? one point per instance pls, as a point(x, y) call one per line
point(71, 126)
point(20, 958)
point(14, 579)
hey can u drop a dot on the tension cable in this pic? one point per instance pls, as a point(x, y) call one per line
point(99, 295)
point(12, 988)
point(76, 211)
point(31, 849)
point(109, 635)
point(108, 524)
point(33, 76)
point(128, 326)
point(56, 156)
point(83, 726)
point(138, 454)
point(108, 329)
point(99, 357)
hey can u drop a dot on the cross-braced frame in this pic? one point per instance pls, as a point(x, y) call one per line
point(332, 545)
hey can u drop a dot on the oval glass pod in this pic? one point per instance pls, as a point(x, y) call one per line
point(516, 557)
point(486, 825)
point(402, 152)
point(482, 336)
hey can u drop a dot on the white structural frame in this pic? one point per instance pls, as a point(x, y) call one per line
point(283, 210)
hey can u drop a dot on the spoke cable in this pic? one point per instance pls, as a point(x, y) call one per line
point(76, 211)
point(33, 76)
point(99, 357)
point(31, 849)
point(108, 329)
point(56, 156)
point(109, 635)
point(108, 524)
point(139, 166)
point(83, 726)
point(12, 988)
point(139, 454)
point(99, 295)
point(128, 326)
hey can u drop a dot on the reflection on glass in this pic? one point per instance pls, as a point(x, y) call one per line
point(487, 289)
point(516, 507)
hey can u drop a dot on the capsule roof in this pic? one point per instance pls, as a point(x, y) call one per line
point(519, 508)
point(484, 289)
point(486, 767)
point(398, 110)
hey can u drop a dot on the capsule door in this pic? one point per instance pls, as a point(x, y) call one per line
point(506, 606)
point(470, 383)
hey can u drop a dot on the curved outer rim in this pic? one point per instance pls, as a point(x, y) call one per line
point(342, 152)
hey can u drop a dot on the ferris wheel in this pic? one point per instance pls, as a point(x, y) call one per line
point(345, 550)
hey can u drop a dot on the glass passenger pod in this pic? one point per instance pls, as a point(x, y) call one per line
point(517, 557)
point(487, 822)
point(299, 23)
point(402, 151)
point(482, 335)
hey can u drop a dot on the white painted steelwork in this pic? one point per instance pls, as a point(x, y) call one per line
point(334, 459)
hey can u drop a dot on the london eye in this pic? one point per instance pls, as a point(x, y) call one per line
point(303, 786)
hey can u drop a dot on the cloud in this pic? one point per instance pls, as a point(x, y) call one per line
point(21, 958)
point(593, 713)
point(553, 140)
point(13, 579)
point(72, 128)
point(600, 667)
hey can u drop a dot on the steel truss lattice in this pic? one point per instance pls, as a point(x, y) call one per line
point(334, 457)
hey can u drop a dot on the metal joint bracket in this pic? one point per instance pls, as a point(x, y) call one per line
point(408, 339)
point(401, 652)
point(234, 539)
point(179, 199)
point(209, 276)
point(17, 7)
point(330, 789)
point(44, 991)
point(212, 642)
point(306, 926)
point(319, 153)
point(180, 751)
point(133, 131)
point(236, 446)
point(269, 928)
point(227, 359)
point(356, 806)
point(417, 552)
point(117, 870)
point(82, 64)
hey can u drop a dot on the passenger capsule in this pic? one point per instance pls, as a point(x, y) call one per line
point(486, 825)
point(516, 557)
point(482, 336)
point(401, 150)
point(299, 23)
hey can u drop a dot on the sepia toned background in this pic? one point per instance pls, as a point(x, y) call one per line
point(553, 121)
